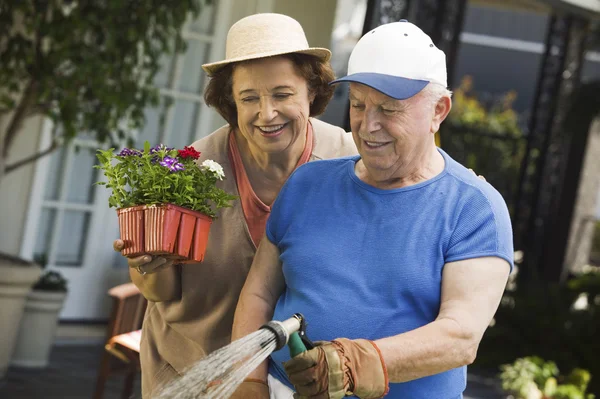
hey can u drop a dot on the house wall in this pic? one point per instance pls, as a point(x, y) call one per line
point(15, 187)
point(315, 16)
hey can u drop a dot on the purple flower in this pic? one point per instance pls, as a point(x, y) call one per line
point(158, 148)
point(172, 164)
point(126, 152)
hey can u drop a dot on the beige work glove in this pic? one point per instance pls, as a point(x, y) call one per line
point(251, 389)
point(339, 368)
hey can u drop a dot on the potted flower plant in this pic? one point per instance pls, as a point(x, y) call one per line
point(535, 378)
point(40, 319)
point(165, 199)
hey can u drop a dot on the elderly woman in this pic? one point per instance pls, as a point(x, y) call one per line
point(268, 89)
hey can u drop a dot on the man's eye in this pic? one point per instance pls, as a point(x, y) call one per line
point(358, 106)
point(388, 111)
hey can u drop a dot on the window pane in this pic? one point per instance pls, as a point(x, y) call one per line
point(83, 176)
point(152, 128)
point(46, 224)
point(183, 125)
point(72, 238)
point(163, 76)
point(205, 21)
point(55, 174)
point(192, 73)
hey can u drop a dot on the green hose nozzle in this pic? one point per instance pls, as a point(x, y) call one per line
point(296, 345)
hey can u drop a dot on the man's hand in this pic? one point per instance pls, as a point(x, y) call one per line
point(339, 368)
point(251, 389)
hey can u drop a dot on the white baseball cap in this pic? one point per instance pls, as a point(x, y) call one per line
point(397, 59)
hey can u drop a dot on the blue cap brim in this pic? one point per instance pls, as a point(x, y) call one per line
point(392, 86)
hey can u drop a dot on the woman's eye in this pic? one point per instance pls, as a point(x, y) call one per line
point(281, 96)
point(249, 99)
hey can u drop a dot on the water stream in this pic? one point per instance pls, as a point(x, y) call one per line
point(219, 374)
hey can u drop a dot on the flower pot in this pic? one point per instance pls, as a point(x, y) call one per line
point(38, 329)
point(131, 226)
point(165, 230)
point(16, 278)
point(198, 248)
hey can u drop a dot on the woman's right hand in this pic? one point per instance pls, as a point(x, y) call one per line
point(144, 264)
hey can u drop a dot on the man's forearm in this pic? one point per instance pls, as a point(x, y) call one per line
point(434, 348)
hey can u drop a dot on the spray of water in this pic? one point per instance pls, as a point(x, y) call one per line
point(219, 374)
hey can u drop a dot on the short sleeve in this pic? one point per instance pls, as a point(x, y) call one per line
point(482, 229)
point(282, 210)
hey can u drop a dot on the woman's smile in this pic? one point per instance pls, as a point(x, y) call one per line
point(272, 131)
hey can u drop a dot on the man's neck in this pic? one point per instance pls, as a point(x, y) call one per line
point(430, 164)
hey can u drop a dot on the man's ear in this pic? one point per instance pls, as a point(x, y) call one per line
point(441, 111)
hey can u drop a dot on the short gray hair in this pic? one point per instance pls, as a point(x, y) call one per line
point(434, 92)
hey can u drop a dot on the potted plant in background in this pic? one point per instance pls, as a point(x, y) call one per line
point(534, 378)
point(17, 275)
point(40, 319)
point(165, 200)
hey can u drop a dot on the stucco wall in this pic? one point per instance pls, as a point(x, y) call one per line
point(16, 186)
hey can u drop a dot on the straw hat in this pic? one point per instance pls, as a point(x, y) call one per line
point(265, 35)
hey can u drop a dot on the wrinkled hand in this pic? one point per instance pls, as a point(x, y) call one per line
point(251, 389)
point(480, 176)
point(339, 368)
point(144, 264)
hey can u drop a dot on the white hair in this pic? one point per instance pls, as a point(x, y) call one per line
point(435, 91)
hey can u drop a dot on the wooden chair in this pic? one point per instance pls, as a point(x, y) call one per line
point(122, 342)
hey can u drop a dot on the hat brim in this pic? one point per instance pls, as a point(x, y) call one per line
point(392, 86)
point(321, 53)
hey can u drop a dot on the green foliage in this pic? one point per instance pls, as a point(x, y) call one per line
point(88, 65)
point(534, 378)
point(485, 138)
point(50, 280)
point(558, 322)
point(467, 111)
point(161, 175)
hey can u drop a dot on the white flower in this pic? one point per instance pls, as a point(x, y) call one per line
point(214, 167)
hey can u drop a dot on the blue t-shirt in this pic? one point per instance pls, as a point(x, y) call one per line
point(362, 262)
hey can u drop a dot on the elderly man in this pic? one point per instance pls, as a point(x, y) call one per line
point(400, 250)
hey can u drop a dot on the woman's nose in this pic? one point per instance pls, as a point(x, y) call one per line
point(267, 110)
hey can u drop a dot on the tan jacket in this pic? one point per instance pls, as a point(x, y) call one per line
point(176, 334)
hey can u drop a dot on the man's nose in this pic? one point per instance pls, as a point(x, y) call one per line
point(371, 120)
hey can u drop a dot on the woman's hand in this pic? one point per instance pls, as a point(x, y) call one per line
point(155, 277)
point(145, 264)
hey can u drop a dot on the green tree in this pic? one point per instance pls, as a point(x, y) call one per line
point(88, 65)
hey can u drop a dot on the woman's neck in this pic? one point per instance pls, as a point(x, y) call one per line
point(272, 166)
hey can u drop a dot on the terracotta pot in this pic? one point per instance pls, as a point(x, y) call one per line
point(201, 229)
point(131, 226)
point(165, 230)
